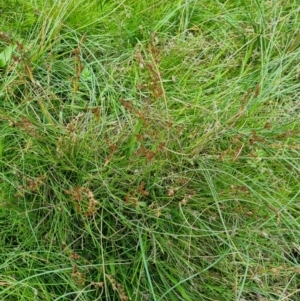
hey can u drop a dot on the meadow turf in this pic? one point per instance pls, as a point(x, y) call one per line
point(149, 150)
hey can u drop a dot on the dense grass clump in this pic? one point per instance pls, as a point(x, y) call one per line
point(149, 150)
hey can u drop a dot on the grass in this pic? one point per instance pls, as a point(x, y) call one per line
point(149, 150)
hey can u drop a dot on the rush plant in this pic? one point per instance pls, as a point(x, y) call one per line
point(149, 150)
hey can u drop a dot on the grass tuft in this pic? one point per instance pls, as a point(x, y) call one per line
point(149, 151)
